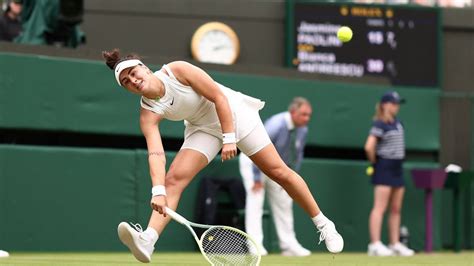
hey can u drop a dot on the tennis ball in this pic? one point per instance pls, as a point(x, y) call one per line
point(210, 238)
point(369, 171)
point(344, 34)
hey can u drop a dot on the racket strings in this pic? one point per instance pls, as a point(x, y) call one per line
point(225, 246)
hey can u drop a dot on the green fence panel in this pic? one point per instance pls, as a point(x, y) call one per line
point(49, 196)
point(58, 199)
point(341, 188)
point(345, 194)
point(46, 93)
point(342, 113)
point(38, 92)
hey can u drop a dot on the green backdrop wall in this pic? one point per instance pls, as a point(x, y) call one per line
point(82, 96)
point(63, 199)
point(50, 194)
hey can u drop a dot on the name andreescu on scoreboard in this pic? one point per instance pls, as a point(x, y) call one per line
point(338, 69)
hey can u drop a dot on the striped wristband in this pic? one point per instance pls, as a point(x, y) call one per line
point(228, 138)
point(158, 190)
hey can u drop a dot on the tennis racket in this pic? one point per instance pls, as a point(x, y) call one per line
point(222, 245)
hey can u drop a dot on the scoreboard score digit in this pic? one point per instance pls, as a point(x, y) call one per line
point(400, 43)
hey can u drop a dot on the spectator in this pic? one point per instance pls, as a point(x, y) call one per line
point(287, 131)
point(455, 3)
point(10, 21)
point(385, 149)
point(52, 22)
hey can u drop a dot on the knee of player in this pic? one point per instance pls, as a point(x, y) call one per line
point(379, 210)
point(395, 210)
point(174, 181)
point(281, 174)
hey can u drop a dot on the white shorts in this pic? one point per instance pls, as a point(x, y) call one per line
point(209, 145)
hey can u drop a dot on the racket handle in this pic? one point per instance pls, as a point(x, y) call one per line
point(178, 218)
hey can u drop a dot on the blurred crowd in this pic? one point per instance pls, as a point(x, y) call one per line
point(10, 21)
point(39, 22)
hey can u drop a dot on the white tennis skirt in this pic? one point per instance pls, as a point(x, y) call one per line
point(250, 141)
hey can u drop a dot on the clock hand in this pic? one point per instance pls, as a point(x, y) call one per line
point(219, 47)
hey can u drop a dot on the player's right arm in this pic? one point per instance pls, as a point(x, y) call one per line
point(375, 133)
point(369, 148)
point(156, 156)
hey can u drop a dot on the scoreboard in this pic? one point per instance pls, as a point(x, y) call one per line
point(399, 43)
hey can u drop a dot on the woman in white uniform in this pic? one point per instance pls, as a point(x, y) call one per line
point(216, 118)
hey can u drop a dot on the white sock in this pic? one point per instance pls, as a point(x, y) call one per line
point(320, 220)
point(151, 234)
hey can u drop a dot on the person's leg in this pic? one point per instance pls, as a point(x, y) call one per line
point(269, 162)
point(282, 210)
point(394, 223)
point(197, 151)
point(253, 203)
point(381, 198)
point(258, 146)
point(395, 217)
point(184, 167)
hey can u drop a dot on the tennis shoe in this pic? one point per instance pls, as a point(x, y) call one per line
point(401, 250)
point(140, 245)
point(258, 250)
point(379, 249)
point(296, 251)
point(332, 239)
point(4, 254)
point(263, 251)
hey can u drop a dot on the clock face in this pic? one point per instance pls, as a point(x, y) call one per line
point(215, 42)
point(217, 47)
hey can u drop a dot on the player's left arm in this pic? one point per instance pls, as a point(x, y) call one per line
point(204, 85)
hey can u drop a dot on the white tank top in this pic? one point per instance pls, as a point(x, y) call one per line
point(181, 102)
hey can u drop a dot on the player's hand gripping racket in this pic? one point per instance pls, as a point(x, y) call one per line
point(222, 245)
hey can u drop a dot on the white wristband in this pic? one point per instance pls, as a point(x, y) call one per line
point(228, 138)
point(158, 190)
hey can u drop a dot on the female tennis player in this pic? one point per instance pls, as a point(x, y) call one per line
point(216, 118)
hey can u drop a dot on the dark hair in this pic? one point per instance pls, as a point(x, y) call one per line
point(112, 58)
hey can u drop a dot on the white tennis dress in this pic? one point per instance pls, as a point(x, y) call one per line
point(181, 102)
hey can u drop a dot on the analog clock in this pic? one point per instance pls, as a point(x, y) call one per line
point(215, 42)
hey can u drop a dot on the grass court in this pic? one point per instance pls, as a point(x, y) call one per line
point(78, 259)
